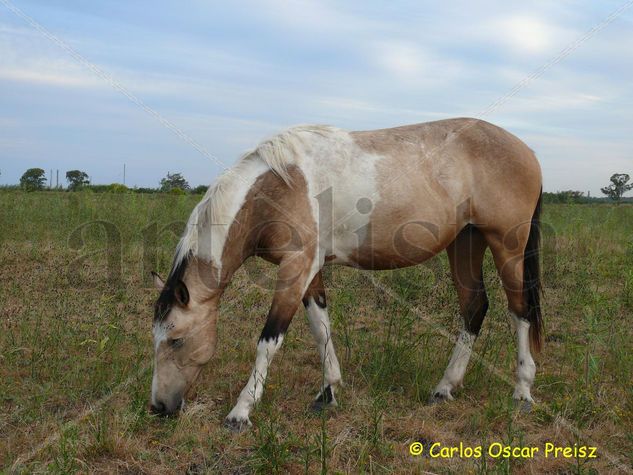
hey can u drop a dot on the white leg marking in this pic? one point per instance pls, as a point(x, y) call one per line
point(320, 328)
point(454, 373)
point(252, 392)
point(526, 369)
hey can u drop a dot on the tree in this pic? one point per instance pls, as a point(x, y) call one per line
point(171, 181)
point(33, 179)
point(76, 179)
point(617, 187)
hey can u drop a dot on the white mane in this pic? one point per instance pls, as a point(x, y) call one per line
point(210, 220)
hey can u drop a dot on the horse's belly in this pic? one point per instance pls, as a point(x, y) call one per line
point(389, 245)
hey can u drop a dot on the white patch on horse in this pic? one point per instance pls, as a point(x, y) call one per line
point(526, 369)
point(252, 392)
point(320, 328)
point(160, 334)
point(454, 373)
point(334, 163)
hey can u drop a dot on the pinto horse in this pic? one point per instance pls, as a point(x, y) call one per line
point(380, 199)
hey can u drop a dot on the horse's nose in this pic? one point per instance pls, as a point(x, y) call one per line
point(159, 408)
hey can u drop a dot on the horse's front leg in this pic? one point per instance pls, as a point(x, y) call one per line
point(295, 273)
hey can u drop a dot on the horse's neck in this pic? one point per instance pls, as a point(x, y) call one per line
point(203, 278)
point(237, 248)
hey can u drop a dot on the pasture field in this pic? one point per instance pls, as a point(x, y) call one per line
point(75, 354)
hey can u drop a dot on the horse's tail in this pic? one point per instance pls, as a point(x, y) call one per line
point(532, 288)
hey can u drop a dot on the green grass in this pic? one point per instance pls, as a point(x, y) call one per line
point(75, 353)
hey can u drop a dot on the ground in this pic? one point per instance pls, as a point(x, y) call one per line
point(76, 354)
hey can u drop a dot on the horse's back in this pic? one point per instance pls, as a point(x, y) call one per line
point(417, 186)
point(454, 161)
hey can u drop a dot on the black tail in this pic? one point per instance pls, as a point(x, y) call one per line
point(532, 280)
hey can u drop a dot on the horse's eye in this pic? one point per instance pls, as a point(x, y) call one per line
point(177, 342)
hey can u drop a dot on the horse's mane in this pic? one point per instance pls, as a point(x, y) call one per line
point(217, 207)
point(282, 150)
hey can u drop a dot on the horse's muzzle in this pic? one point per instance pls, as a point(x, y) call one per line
point(162, 410)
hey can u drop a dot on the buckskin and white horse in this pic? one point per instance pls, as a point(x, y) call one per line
point(381, 199)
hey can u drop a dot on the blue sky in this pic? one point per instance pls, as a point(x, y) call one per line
point(231, 73)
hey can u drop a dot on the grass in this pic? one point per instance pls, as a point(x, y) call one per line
point(75, 353)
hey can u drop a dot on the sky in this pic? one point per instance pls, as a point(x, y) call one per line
point(226, 75)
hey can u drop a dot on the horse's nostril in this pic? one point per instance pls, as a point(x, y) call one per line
point(158, 408)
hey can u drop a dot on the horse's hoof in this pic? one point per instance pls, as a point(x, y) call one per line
point(523, 405)
point(320, 406)
point(324, 400)
point(237, 425)
point(439, 397)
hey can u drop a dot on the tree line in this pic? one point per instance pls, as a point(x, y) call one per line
point(618, 186)
point(34, 179)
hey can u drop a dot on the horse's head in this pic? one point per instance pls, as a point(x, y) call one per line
point(185, 317)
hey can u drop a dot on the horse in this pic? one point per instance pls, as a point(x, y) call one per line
point(382, 199)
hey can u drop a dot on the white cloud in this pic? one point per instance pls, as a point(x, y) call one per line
point(528, 34)
point(28, 57)
point(524, 33)
point(401, 59)
point(413, 65)
point(50, 77)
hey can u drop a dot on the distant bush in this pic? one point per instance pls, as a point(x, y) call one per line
point(569, 197)
point(199, 190)
point(146, 190)
point(177, 191)
point(96, 188)
point(117, 188)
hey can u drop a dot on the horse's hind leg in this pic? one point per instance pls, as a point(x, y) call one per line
point(508, 254)
point(465, 254)
point(316, 309)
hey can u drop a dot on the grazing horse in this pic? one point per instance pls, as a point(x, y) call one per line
point(380, 199)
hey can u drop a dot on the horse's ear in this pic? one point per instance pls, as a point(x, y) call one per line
point(158, 282)
point(181, 293)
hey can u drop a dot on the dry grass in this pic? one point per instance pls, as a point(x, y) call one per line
point(75, 357)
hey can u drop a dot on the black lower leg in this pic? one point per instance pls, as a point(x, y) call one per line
point(476, 311)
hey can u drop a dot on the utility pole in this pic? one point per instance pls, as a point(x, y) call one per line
point(57, 184)
point(124, 173)
point(50, 182)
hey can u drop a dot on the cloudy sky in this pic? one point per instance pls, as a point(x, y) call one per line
point(227, 74)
